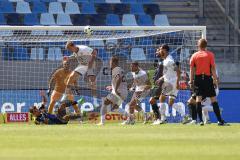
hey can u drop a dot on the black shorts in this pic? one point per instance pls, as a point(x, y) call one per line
point(156, 92)
point(203, 86)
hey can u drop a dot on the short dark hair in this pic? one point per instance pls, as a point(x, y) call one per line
point(202, 43)
point(115, 60)
point(135, 63)
point(69, 43)
point(32, 108)
point(166, 47)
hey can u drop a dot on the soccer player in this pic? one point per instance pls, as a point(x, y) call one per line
point(119, 90)
point(86, 58)
point(142, 86)
point(157, 90)
point(203, 77)
point(206, 107)
point(170, 78)
point(59, 78)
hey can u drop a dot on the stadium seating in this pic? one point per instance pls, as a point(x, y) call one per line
point(6, 7)
point(80, 19)
point(113, 1)
point(37, 54)
point(120, 9)
point(54, 53)
point(14, 19)
point(88, 8)
point(98, 43)
point(129, 1)
point(97, 1)
point(137, 9)
point(137, 54)
point(2, 19)
point(72, 8)
point(104, 8)
point(161, 20)
point(151, 9)
point(97, 20)
point(23, 7)
point(129, 20)
point(31, 19)
point(80, 1)
point(63, 20)
point(144, 20)
point(47, 19)
point(21, 53)
point(38, 7)
point(113, 20)
point(55, 8)
point(64, 0)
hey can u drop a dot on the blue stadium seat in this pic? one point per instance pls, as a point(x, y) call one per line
point(55, 8)
point(88, 8)
point(72, 8)
point(97, 43)
point(129, 1)
point(54, 53)
point(2, 19)
point(14, 19)
point(64, 20)
point(151, 9)
point(47, 19)
point(103, 54)
point(97, 20)
point(150, 53)
point(31, 19)
point(55, 33)
point(137, 54)
point(113, 1)
point(145, 20)
point(161, 20)
point(97, 1)
point(113, 20)
point(129, 20)
point(81, 1)
point(38, 7)
point(80, 20)
point(104, 8)
point(48, 1)
point(23, 7)
point(137, 9)
point(6, 7)
point(21, 53)
point(65, 1)
point(120, 8)
point(145, 1)
point(37, 54)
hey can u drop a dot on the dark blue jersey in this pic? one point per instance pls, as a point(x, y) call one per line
point(46, 118)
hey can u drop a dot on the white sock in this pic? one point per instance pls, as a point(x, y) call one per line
point(205, 114)
point(180, 108)
point(163, 111)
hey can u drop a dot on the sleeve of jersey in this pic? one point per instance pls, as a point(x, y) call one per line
point(89, 50)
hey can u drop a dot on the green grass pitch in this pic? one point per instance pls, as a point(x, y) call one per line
point(116, 142)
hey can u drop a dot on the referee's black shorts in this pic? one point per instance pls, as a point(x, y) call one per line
point(203, 86)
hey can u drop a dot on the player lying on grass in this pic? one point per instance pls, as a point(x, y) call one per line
point(61, 117)
point(59, 79)
point(86, 58)
point(170, 86)
point(142, 86)
point(119, 90)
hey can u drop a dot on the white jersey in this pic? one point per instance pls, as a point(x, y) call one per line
point(140, 79)
point(83, 55)
point(169, 70)
point(123, 85)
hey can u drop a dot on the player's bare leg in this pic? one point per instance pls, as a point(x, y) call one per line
point(75, 106)
point(56, 96)
point(104, 110)
point(131, 117)
point(93, 86)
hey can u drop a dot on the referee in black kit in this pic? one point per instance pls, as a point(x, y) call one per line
point(204, 79)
